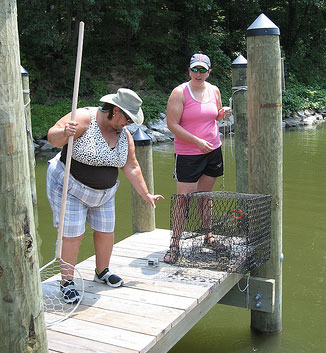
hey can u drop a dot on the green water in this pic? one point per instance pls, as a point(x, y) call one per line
point(226, 329)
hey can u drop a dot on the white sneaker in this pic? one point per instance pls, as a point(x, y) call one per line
point(109, 278)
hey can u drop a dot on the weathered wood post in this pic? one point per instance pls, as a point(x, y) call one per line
point(22, 327)
point(30, 146)
point(240, 113)
point(143, 215)
point(265, 147)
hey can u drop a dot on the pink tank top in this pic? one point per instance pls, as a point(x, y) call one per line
point(198, 118)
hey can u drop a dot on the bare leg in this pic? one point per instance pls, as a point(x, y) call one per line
point(179, 220)
point(103, 244)
point(206, 184)
point(70, 249)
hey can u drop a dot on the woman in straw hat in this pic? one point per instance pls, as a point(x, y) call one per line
point(193, 111)
point(101, 145)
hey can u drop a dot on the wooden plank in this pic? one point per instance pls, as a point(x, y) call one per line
point(106, 334)
point(164, 271)
point(148, 284)
point(260, 295)
point(139, 253)
point(141, 296)
point(176, 288)
point(180, 329)
point(151, 312)
point(193, 277)
point(67, 343)
point(156, 237)
point(131, 307)
point(126, 321)
point(132, 245)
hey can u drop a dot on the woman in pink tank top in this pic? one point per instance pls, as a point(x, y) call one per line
point(193, 111)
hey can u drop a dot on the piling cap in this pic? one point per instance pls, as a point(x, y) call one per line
point(141, 138)
point(23, 71)
point(240, 61)
point(262, 26)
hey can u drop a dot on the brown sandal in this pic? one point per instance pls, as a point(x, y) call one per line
point(214, 244)
point(171, 256)
point(209, 239)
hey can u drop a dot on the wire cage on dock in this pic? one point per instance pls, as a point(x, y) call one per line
point(224, 231)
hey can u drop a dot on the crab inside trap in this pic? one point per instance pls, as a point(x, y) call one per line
point(224, 231)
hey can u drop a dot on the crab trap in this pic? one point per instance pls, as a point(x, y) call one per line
point(224, 231)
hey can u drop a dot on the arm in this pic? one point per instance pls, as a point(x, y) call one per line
point(133, 172)
point(173, 115)
point(59, 133)
point(223, 112)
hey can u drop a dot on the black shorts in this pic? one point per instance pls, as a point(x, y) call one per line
point(188, 169)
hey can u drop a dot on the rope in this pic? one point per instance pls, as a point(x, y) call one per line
point(239, 88)
point(246, 288)
point(28, 129)
point(235, 90)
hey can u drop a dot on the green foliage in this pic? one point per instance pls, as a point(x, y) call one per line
point(45, 116)
point(146, 45)
point(153, 104)
point(297, 97)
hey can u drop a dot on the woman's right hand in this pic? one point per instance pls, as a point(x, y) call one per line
point(70, 128)
point(204, 146)
point(59, 133)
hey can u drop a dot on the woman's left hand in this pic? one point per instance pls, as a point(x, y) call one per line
point(224, 112)
point(152, 198)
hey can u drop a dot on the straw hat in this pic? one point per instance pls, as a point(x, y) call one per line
point(128, 101)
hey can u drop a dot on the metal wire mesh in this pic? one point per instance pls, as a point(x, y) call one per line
point(53, 299)
point(224, 231)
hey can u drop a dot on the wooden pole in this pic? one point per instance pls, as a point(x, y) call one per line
point(240, 113)
point(143, 215)
point(30, 145)
point(265, 146)
point(22, 327)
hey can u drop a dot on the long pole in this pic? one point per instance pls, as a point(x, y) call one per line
point(240, 113)
point(143, 215)
point(70, 140)
point(265, 145)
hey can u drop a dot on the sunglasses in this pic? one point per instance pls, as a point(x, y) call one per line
point(129, 120)
point(201, 70)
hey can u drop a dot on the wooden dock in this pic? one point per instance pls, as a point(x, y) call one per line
point(154, 309)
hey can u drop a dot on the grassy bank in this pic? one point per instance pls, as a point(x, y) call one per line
point(44, 115)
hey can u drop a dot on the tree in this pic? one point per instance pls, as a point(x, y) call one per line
point(151, 40)
point(22, 326)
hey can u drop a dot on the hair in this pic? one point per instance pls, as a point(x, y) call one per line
point(109, 107)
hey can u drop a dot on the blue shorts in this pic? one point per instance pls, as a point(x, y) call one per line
point(97, 207)
point(189, 168)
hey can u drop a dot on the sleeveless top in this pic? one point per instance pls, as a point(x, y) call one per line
point(94, 162)
point(198, 118)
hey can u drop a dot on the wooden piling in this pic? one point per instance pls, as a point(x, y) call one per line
point(143, 215)
point(22, 327)
point(30, 145)
point(265, 147)
point(240, 113)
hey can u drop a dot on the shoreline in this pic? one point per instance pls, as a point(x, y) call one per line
point(159, 132)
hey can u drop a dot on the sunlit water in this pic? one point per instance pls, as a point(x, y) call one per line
point(226, 329)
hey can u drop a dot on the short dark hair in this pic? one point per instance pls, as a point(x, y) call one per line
point(109, 107)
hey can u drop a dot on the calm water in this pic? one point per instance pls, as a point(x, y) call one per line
point(226, 329)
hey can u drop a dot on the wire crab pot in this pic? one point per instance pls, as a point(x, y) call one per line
point(224, 231)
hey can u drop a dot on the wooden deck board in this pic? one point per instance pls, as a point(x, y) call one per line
point(150, 313)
